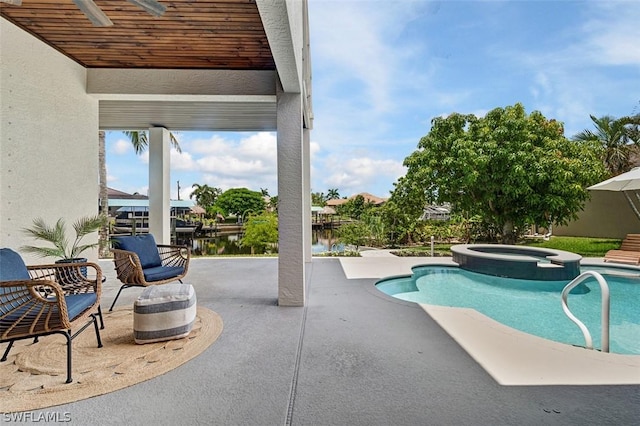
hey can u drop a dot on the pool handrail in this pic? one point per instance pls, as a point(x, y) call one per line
point(604, 287)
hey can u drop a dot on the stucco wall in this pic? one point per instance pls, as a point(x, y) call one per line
point(606, 215)
point(48, 138)
point(295, 12)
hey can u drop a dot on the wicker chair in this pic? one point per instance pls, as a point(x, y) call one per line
point(47, 299)
point(140, 262)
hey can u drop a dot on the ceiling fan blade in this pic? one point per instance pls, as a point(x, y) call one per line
point(151, 6)
point(98, 17)
point(94, 13)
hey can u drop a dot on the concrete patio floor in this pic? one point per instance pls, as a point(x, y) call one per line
point(352, 356)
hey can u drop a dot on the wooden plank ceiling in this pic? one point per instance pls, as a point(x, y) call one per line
point(198, 34)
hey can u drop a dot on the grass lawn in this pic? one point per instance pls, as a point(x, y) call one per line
point(584, 246)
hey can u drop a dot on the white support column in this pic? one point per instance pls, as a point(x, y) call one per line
point(291, 225)
point(159, 185)
point(306, 193)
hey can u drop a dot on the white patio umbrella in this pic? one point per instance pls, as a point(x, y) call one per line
point(628, 182)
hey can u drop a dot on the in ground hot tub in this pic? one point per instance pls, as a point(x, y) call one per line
point(529, 263)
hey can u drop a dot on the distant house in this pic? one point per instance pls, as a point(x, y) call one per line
point(432, 212)
point(122, 202)
point(368, 198)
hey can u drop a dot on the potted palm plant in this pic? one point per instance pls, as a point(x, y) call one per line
point(62, 248)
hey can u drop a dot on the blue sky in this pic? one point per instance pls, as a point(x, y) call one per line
point(382, 69)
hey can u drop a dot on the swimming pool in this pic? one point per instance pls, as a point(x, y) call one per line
point(531, 306)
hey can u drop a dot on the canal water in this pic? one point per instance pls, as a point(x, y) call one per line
point(229, 244)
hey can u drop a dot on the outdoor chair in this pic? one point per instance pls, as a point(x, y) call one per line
point(140, 262)
point(629, 251)
point(40, 300)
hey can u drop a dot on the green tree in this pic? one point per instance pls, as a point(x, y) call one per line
point(355, 207)
point(510, 168)
point(205, 195)
point(333, 194)
point(356, 233)
point(376, 225)
point(273, 202)
point(618, 138)
point(260, 232)
point(239, 201)
point(403, 210)
point(318, 199)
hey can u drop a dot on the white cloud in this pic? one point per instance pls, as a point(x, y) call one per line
point(369, 77)
point(314, 148)
point(229, 160)
point(182, 161)
point(355, 43)
point(144, 190)
point(542, 85)
point(122, 147)
point(612, 36)
point(356, 174)
point(591, 68)
point(260, 145)
point(253, 155)
point(212, 145)
point(231, 166)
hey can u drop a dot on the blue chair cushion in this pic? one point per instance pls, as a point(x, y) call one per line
point(143, 245)
point(12, 267)
point(158, 273)
point(78, 303)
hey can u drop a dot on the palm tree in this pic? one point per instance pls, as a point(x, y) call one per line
point(617, 137)
point(333, 194)
point(140, 142)
point(103, 232)
point(56, 235)
point(633, 128)
point(205, 195)
point(318, 198)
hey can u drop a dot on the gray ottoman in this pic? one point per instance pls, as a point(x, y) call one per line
point(164, 312)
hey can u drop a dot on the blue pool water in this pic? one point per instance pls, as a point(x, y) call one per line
point(532, 306)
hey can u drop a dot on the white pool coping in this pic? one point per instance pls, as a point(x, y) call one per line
point(510, 356)
point(515, 358)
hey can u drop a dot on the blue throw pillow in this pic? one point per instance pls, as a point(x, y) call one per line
point(143, 245)
point(12, 267)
